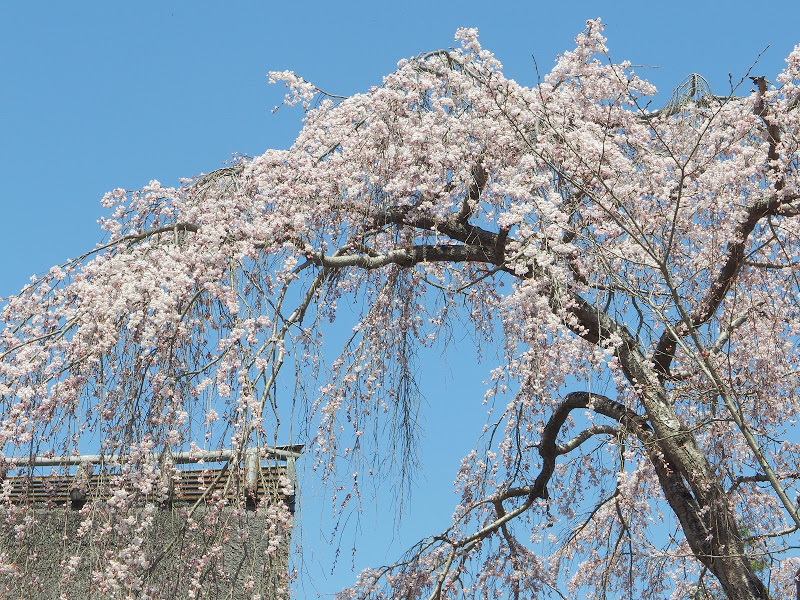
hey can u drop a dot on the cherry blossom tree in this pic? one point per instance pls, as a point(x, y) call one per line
point(637, 267)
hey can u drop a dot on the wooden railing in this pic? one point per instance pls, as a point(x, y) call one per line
point(250, 479)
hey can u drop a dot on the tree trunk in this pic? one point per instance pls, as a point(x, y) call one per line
point(691, 485)
point(701, 505)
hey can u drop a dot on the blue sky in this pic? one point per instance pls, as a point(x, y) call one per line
point(99, 95)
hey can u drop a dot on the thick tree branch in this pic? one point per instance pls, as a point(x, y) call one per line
point(492, 243)
point(734, 259)
point(175, 228)
point(735, 251)
point(586, 435)
point(550, 450)
point(479, 179)
point(405, 257)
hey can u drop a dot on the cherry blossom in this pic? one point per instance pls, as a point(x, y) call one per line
point(638, 269)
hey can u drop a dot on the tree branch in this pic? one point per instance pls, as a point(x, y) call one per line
point(405, 257)
point(585, 435)
point(735, 250)
point(479, 179)
point(492, 243)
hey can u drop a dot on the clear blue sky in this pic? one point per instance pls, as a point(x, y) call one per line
point(99, 95)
